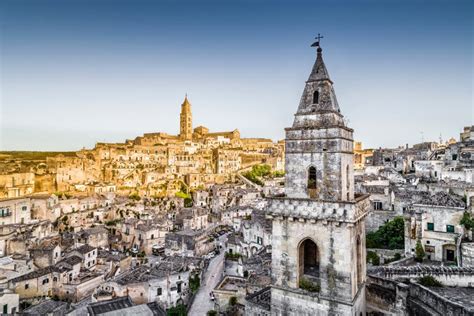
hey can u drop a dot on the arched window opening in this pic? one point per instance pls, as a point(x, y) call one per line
point(359, 260)
point(348, 183)
point(308, 260)
point(316, 97)
point(312, 182)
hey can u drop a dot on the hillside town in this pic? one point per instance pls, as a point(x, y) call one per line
point(209, 223)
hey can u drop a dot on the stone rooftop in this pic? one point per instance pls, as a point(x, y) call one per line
point(39, 273)
point(94, 230)
point(72, 260)
point(441, 199)
point(48, 307)
point(169, 265)
point(419, 270)
point(259, 217)
point(84, 249)
point(101, 253)
point(112, 305)
point(262, 298)
point(460, 295)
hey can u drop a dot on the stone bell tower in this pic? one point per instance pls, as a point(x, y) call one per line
point(186, 121)
point(318, 241)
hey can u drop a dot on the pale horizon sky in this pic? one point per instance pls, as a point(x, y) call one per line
point(73, 73)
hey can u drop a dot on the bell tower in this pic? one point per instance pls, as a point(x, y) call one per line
point(186, 121)
point(318, 239)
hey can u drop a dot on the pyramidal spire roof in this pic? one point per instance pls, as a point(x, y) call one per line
point(318, 104)
point(186, 102)
point(319, 71)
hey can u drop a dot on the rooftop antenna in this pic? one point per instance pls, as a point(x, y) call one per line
point(422, 137)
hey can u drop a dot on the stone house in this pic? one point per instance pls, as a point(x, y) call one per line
point(229, 286)
point(429, 169)
point(166, 283)
point(46, 253)
point(81, 287)
point(15, 211)
point(73, 265)
point(227, 160)
point(201, 198)
point(97, 237)
point(257, 233)
point(113, 262)
point(142, 235)
point(9, 302)
point(229, 216)
point(68, 205)
point(434, 220)
point(193, 218)
point(41, 282)
point(18, 184)
point(188, 243)
point(88, 255)
point(146, 236)
point(45, 207)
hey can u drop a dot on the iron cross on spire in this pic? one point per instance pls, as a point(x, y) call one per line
point(318, 39)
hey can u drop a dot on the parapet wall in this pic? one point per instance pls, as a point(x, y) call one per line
point(422, 300)
point(449, 276)
point(318, 210)
point(395, 298)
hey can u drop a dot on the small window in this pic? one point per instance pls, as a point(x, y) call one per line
point(450, 228)
point(430, 226)
point(312, 178)
point(377, 205)
point(159, 291)
point(455, 157)
point(27, 286)
point(316, 97)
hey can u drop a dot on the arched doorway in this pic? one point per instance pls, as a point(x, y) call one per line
point(308, 254)
point(449, 253)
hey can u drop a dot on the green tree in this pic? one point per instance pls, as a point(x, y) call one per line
point(211, 313)
point(419, 252)
point(179, 310)
point(373, 258)
point(233, 301)
point(309, 286)
point(194, 283)
point(467, 221)
point(134, 196)
point(428, 280)
point(389, 236)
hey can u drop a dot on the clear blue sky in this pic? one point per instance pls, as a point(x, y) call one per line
point(77, 72)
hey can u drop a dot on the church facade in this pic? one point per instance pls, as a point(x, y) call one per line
point(318, 237)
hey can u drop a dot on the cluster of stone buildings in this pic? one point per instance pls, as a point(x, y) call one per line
point(155, 164)
point(104, 246)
